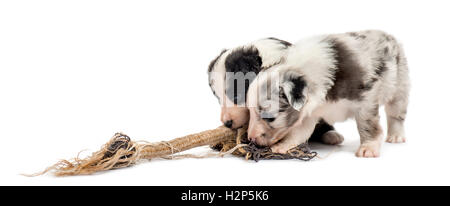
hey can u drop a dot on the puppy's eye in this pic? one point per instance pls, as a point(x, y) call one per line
point(270, 119)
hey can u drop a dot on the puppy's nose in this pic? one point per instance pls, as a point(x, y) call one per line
point(252, 139)
point(228, 123)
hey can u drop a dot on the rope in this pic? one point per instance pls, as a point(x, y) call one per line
point(120, 151)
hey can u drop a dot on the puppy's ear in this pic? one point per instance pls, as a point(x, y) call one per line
point(292, 86)
point(244, 60)
point(214, 61)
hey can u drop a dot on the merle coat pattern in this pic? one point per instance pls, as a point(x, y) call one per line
point(333, 77)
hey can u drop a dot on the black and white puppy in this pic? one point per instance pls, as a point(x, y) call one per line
point(231, 73)
point(334, 78)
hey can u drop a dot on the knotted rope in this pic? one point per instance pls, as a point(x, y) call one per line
point(121, 151)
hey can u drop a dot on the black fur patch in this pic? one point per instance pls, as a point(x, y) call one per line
point(321, 128)
point(243, 60)
point(213, 62)
point(348, 78)
point(297, 90)
point(285, 43)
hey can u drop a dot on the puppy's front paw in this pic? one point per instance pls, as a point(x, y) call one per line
point(369, 149)
point(280, 148)
point(396, 139)
point(332, 137)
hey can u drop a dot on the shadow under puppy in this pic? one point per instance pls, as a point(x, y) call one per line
point(231, 73)
point(334, 78)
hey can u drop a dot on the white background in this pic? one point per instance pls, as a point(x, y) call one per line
point(74, 72)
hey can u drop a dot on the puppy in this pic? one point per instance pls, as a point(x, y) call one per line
point(231, 73)
point(334, 78)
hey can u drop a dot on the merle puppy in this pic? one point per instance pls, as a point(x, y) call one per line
point(334, 78)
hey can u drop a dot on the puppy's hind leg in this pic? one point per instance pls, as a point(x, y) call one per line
point(397, 107)
point(325, 133)
point(395, 115)
point(368, 122)
point(332, 137)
